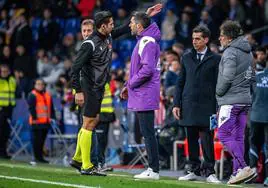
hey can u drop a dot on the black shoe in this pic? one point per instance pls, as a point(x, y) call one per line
point(92, 172)
point(75, 165)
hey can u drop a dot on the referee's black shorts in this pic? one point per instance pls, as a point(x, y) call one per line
point(93, 101)
point(92, 104)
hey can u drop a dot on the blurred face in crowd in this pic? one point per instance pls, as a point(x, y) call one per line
point(261, 56)
point(20, 50)
point(3, 14)
point(208, 2)
point(39, 85)
point(233, 3)
point(67, 64)
point(175, 66)
point(224, 40)
point(199, 42)
point(4, 71)
point(169, 57)
point(185, 18)
point(6, 51)
point(121, 13)
point(55, 60)
point(47, 14)
point(68, 40)
point(214, 48)
point(86, 30)
point(205, 15)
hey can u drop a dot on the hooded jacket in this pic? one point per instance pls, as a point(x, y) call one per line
point(144, 79)
point(235, 74)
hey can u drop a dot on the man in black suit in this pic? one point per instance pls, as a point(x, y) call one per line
point(195, 102)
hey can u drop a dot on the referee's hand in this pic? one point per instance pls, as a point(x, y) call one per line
point(79, 99)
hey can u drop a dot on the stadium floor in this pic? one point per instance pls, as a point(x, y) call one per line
point(21, 174)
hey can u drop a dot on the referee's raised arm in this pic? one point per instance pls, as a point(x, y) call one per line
point(83, 56)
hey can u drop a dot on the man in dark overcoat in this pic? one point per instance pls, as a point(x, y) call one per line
point(195, 102)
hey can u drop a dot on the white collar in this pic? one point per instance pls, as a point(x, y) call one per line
point(204, 51)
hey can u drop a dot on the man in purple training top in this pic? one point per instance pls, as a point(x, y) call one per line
point(143, 86)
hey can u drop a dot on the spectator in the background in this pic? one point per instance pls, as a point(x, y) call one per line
point(178, 48)
point(122, 17)
point(79, 41)
point(24, 63)
point(6, 57)
point(41, 112)
point(261, 58)
point(183, 29)
point(57, 70)
point(44, 65)
point(170, 56)
point(237, 11)
point(68, 46)
point(168, 26)
point(48, 32)
point(255, 16)
point(214, 48)
point(172, 74)
point(7, 102)
point(259, 121)
point(252, 41)
point(3, 22)
point(214, 11)
point(86, 7)
point(24, 70)
point(67, 69)
point(22, 34)
point(66, 9)
point(207, 20)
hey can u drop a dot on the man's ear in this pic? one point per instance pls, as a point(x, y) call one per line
point(207, 40)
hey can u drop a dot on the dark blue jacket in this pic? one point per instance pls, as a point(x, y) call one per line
point(259, 111)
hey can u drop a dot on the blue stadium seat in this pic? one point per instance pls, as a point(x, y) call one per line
point(72, 25)
point(61, 22)
point(125, 48)
point(165, 44)
point(36, 23)
point(264, 40)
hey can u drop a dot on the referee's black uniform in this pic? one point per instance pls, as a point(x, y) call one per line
point(90, 71)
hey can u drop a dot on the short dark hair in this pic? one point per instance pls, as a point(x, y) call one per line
point(260, 49)
point(231, 29)
point(142, 18)
point(202, 29)
point(102, 17)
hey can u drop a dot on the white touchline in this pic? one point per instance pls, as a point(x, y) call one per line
point(46, 182)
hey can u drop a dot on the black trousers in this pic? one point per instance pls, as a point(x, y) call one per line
point(193, 133)
point(258, 138)
point(102, 130)
point(38, 139)
point(5, 114)
point(146, 121)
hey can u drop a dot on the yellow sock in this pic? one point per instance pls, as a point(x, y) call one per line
point(85, 144)
point(77, 156)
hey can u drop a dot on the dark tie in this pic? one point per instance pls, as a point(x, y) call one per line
point(199, 55)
